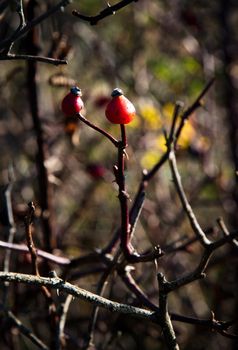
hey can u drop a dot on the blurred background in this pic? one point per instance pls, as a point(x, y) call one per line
point(158, 52)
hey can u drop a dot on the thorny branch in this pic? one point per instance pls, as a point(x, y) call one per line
point(126, 229)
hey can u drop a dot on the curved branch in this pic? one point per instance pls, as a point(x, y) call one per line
point(57, 283)
point(45, 255)
point(108, 11)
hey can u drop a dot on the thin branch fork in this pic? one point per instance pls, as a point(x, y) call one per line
point(199, 271)
point(211, 324)
point(108, 11)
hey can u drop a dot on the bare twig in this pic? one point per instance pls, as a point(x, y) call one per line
point(49, 60)
point(34, 22)
point(164, 317)
point(108, 11)
point(212, 324)
point(101, 286)
point(198, 273)
point(26, 331)
point(227, 239)
point(177, 108)
point(21, 14)
point(186, 206)
point(11, 227)
point(225, 231)
point(19, 10)
point(136, 290)
point(62, 318)
point(46, 292)
point(28, 220)
point(191, 109)
point(60, 260)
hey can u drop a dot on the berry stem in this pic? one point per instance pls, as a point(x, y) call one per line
point(97, 128)
point(123, 135)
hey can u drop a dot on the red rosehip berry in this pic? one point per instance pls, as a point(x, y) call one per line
point(72, 103)
point(120, 110)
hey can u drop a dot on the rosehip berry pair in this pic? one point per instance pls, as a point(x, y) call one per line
point(118, 111)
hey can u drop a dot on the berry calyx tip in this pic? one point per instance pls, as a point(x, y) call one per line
point(76, 91)
point(117, 92)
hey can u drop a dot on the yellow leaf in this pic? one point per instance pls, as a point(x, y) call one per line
point(135, 123)
point(149, 159)
point(161, 143)
point(187, 135)
point(151, 116)
point(168, 110)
